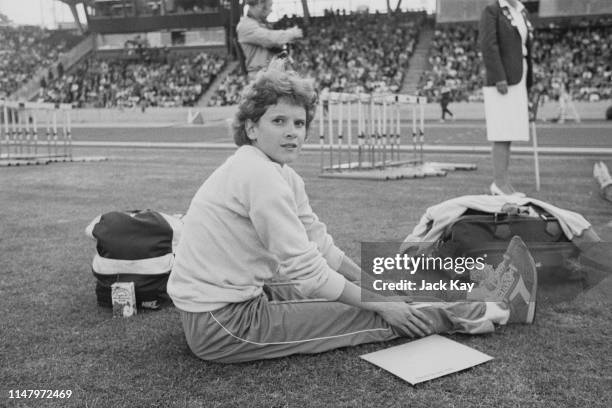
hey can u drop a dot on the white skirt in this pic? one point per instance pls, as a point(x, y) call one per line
point(507, 116)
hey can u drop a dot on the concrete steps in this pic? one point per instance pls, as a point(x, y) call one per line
point(418, 62)
point(215, 85)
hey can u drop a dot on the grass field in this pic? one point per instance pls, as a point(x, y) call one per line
point(54, 336)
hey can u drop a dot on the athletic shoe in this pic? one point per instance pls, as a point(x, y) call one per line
point(514, 282)
point(602, 175)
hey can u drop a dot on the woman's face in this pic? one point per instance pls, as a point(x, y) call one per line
point(280, 132)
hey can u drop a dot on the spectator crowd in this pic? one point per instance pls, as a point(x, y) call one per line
point(134, 81)
point(344, 52)
point(354, 52)
point(26, 49)
point(577, 57)
point(455, 64)
point(358, 52)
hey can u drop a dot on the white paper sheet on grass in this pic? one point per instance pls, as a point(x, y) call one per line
point(426, 359)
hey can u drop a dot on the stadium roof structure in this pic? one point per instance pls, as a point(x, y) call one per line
point(72, 4)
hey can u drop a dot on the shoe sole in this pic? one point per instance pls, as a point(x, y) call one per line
point(533, 291)
point(531, 303)
point(534, 286)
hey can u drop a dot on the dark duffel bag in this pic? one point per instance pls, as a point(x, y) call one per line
point(481, 234)
point(134, 246)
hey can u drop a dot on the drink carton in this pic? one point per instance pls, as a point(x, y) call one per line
point(124, 299)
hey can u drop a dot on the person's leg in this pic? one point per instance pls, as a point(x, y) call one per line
point(262, 329)
point(574, 111)
point(500, 155)
point(562, 108)
point(602, 175)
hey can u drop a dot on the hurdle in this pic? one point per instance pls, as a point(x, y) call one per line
point(379, 152)
point(36, 133)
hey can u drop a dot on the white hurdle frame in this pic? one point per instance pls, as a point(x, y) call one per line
point(23, 122)
point(378, 126)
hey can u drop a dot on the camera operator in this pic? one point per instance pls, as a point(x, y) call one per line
point(259, 42)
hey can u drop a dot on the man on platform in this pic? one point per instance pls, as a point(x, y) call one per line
point(259, 42)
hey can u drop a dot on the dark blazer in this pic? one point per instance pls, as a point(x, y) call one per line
point(500, 44)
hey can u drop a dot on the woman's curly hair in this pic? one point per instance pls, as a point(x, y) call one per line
point(270, 85)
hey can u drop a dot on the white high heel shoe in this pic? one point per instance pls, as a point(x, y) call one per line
point(602, 175)
point(497, 191)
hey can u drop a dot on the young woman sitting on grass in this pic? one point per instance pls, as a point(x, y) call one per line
point(251, 222)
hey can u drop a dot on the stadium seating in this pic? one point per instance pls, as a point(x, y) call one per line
point(352, 52)
point(25, 49)
point(455, 64)
point(228, 92)
point(578, 56)
point(344, 52)
point(136, 81)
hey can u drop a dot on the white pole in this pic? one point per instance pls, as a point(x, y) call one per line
point(414, 132)
point(422, 127)
point(35, 131)
point(48, 131)
point(360, 130)
point(398, 129)
point(64, 132)
point(384, 131)
point(69, 127)
point(7, 133)
point(55, 144)
point(340, 122)
point(372, 133)
point(535, 155)
point(321, 133)
point(330, 129)
point(349, 130)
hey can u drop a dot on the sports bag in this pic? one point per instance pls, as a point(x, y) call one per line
point(478, 233)
point(134, 246)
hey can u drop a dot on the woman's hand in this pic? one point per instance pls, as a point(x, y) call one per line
point(502, 87)
point(406, 319)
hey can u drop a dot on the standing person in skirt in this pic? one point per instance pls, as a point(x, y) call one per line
point(506, 38)
point(251, 221)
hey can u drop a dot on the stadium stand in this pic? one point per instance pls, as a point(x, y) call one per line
point(352, 52)
point(229, 90)
point(344, 52)
point(455, 64)
point(359, 52)
point(25, 49)
point(136, 80)
point(577, 56)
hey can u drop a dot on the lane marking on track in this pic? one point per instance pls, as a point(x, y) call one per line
point(486, 149)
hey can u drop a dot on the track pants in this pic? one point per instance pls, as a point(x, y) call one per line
point(279, 323)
